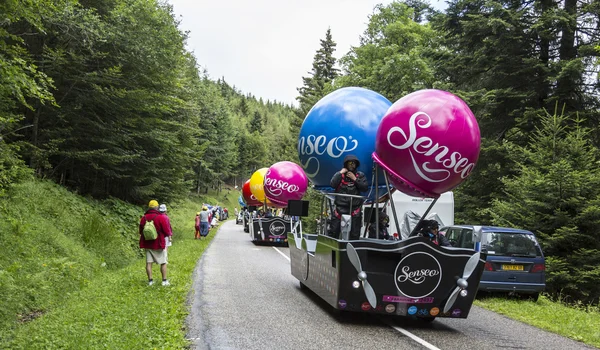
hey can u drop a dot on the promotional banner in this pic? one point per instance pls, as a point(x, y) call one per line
point(428, 142)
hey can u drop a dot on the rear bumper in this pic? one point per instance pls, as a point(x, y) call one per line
point(488, 286)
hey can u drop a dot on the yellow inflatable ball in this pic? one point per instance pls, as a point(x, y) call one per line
point(256, 185)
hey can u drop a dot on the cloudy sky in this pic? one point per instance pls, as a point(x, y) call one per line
point(265, 47)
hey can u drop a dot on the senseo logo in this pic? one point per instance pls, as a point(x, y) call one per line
point(417, 275)
point(277, 228)
point(276, 187)
point(445, 162)
point(312, 144)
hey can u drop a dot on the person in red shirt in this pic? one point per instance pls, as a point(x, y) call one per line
point(197, 226)
point(155, 249)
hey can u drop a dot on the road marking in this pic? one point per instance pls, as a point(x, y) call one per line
point(401, 330)
point(413, 337)
point(282, 253)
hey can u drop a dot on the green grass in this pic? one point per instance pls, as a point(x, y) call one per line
point(74, 277)
point(578, 323)
point(120, 311)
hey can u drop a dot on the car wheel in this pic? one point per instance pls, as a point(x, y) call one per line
point(426, 319)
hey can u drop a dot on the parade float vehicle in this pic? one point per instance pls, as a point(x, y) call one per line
point(423, 145)
point(251, 206)
point(274, 187)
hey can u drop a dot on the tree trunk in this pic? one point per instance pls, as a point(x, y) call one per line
point(566, 85)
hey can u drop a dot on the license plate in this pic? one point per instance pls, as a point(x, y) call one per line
point(512, 267)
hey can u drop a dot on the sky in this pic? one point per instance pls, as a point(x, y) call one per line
point(265, 47)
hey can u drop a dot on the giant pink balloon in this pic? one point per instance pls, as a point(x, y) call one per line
point(285, 181)
point(428, 142)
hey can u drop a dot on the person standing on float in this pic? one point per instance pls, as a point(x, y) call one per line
point(348, 181)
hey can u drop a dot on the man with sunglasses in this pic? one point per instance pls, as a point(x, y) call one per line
point(348, 181)
point(431, 230)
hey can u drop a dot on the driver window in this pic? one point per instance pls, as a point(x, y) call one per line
point(467, 239)
point(453, 235)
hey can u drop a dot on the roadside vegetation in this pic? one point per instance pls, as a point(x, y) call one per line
point(579, 322)
point(73, 276)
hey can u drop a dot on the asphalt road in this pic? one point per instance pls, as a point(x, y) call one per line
point(244, 297)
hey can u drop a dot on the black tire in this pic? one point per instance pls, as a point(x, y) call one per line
point(426, 319)
point(303, 286)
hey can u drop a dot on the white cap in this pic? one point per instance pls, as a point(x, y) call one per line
point(162, 208)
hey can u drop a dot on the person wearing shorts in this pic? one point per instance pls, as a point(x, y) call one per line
point(156, 248)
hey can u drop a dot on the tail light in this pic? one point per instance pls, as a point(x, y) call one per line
point(538, 268)
point(488, 266)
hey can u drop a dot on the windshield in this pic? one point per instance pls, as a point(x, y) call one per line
point(510, 244)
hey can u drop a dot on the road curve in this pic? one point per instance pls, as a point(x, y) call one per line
point(244, 297)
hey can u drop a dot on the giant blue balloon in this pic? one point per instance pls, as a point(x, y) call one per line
point(343, 122)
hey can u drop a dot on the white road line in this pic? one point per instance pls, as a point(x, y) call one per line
point(414, 337)
point(282, 253)
point(401, 330)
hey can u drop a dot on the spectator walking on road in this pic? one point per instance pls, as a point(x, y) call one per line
point(155, 248)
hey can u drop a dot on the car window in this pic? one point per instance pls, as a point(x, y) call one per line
point(453, 235)
point(510, 244)
point(466, 238)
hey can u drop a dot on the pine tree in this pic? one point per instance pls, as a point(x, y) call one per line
point(257, 123)
point(319, 81)
point(556, 194)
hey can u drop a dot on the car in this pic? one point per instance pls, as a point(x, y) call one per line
point(515, 262)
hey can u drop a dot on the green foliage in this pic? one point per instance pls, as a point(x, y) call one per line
point(318, 83)
point(556, 193)
point(580, 322)
point(58, 242)
point(102, 97)
point(310, 223)
point(87, 306)
point(12, 169)
point(393, 56)
point(485, 182)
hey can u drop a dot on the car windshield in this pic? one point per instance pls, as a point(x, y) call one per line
point(510, 244)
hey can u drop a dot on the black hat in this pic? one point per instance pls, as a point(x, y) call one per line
point(431, 224)
point(351, 157)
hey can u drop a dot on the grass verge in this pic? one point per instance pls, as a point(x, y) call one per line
point(581, 324)
point(118, 310)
